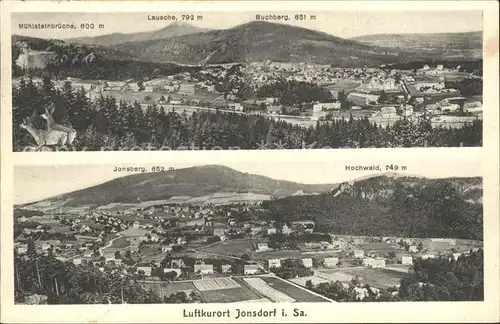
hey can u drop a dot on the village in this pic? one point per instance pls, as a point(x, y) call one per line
point(380, 94)
point(223, 253)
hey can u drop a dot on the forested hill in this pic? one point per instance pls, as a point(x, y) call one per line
point(387, 206)
point(194, 181)
point(261, 41)
point(83, 61)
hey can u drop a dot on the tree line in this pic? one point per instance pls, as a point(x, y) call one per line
point(440, 279)
point(106, 123)
point(433, 209)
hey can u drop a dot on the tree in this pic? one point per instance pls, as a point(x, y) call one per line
point(420, 247)
point(383, 98)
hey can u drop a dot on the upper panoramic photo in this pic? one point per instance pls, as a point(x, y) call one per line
point(230, 81)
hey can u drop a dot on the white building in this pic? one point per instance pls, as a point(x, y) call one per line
point(251, 269)
point(271, 230)
point(274, 263)
point(204, 268)
point(406, 260)
point(374, 263)
point(308, 263)
point(261, 247)
point(331, 262)
point(358, 254)
point(146, 269)
point(226, 268)
point(167, 247)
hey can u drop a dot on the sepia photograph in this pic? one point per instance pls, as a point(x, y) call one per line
point(259, 232)
point(246, 80)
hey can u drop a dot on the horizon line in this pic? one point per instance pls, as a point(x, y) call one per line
point(355, 179)
point(210, 29)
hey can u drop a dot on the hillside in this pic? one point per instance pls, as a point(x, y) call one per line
point(392, 206)
point(63, 59)
point(260, 41)
point(173, 30)
point(444, 45)
point(192, 182)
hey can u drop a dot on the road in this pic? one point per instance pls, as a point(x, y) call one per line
point(109, 244)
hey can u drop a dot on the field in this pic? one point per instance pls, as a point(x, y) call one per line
point(378, 278)
point(230, 247)
point(315, 280)
point(166, 289)
point(216, 284)
point(276, 254)
point(120, 243)
point(300, 295)
point(346, 85)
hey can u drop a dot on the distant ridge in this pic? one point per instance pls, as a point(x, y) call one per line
point(466, 45)
point(175, 29)
point(193, 182)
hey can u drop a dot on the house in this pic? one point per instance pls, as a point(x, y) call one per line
point(331, 262)
point(175, 102)
point(133, 87)
point(386, 112)
point(473, 107)
point(251, 269)
point(407, 111)
point(271, 230)
point(167, 247)
point(262, 247)
point(77, 261)
point(255, 230)
point(176, 270)
point(136, 224)
point(22, 248)
point(204, 268)
point(181, 240)
point(274, 110)
point(219, 230)
point(86, 85)
point(235, 106)
point(358, 254)
point(406, 259)
point(326, 106)
point(286, 230)
point(148, 88)
point(307, 225)
point(146, 269)
point(177, 263)
point(226, 268)
point(274, 263)
point(115, 84)
point(428, 256)
point(412, 249)
point(308, 263)
point(374, 263)
point(46, 246)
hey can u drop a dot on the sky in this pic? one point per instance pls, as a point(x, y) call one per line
point(36, 182)
point(341, 24)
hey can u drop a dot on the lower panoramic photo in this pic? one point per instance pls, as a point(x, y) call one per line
point(246, 232)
